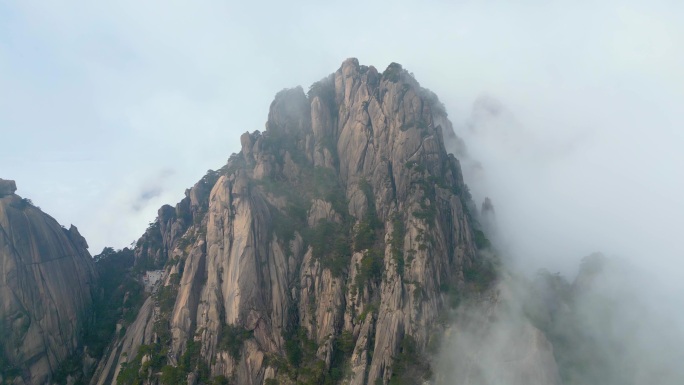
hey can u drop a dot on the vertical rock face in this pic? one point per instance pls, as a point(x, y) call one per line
point(46, 289)
point(325, 249)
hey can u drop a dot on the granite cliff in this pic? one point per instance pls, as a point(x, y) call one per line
point(340, 245)
point(327, 251)
point(47, 285)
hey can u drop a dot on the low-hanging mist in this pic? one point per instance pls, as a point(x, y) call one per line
point(558, 198)
point(103, 88)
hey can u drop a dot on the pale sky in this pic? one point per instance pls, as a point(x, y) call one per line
point(111, 109)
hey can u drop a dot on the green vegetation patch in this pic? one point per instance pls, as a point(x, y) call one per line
point(367, 229)
point(302, 366)
point(370, 269)
point(232, 339)
point(397, 243)
point(330, 244)
point(481, 240)
point(481, 273)
point(117, 282)
point(410, 366)
point(393, 72)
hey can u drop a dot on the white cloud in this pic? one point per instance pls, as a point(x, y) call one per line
point(119, 90)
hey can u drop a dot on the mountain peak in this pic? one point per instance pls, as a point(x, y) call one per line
point(345, 222)
point(7, 187)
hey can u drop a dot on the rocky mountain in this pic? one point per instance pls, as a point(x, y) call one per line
point(339, 246)
point(47, 286)
point(324, 252)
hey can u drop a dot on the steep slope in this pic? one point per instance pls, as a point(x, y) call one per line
point(323, 252)
point(47, 283)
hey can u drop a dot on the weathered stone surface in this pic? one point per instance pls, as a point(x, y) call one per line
point(361, 147)
point(7, 187)
point(47, 284)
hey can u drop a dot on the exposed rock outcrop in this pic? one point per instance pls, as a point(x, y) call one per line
point(331, 241)
point(47, 283)
point(7, 187)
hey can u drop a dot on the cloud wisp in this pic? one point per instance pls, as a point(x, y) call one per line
point(121, 87)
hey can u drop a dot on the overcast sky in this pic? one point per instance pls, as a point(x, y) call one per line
point(110, 109)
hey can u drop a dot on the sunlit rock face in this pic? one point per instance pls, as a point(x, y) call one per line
point(326, 249)
point(47, 283)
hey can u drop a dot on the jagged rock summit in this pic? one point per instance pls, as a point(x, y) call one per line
point(7, 187)
point(47, 283)
point(329, 250)
point(325, 250)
